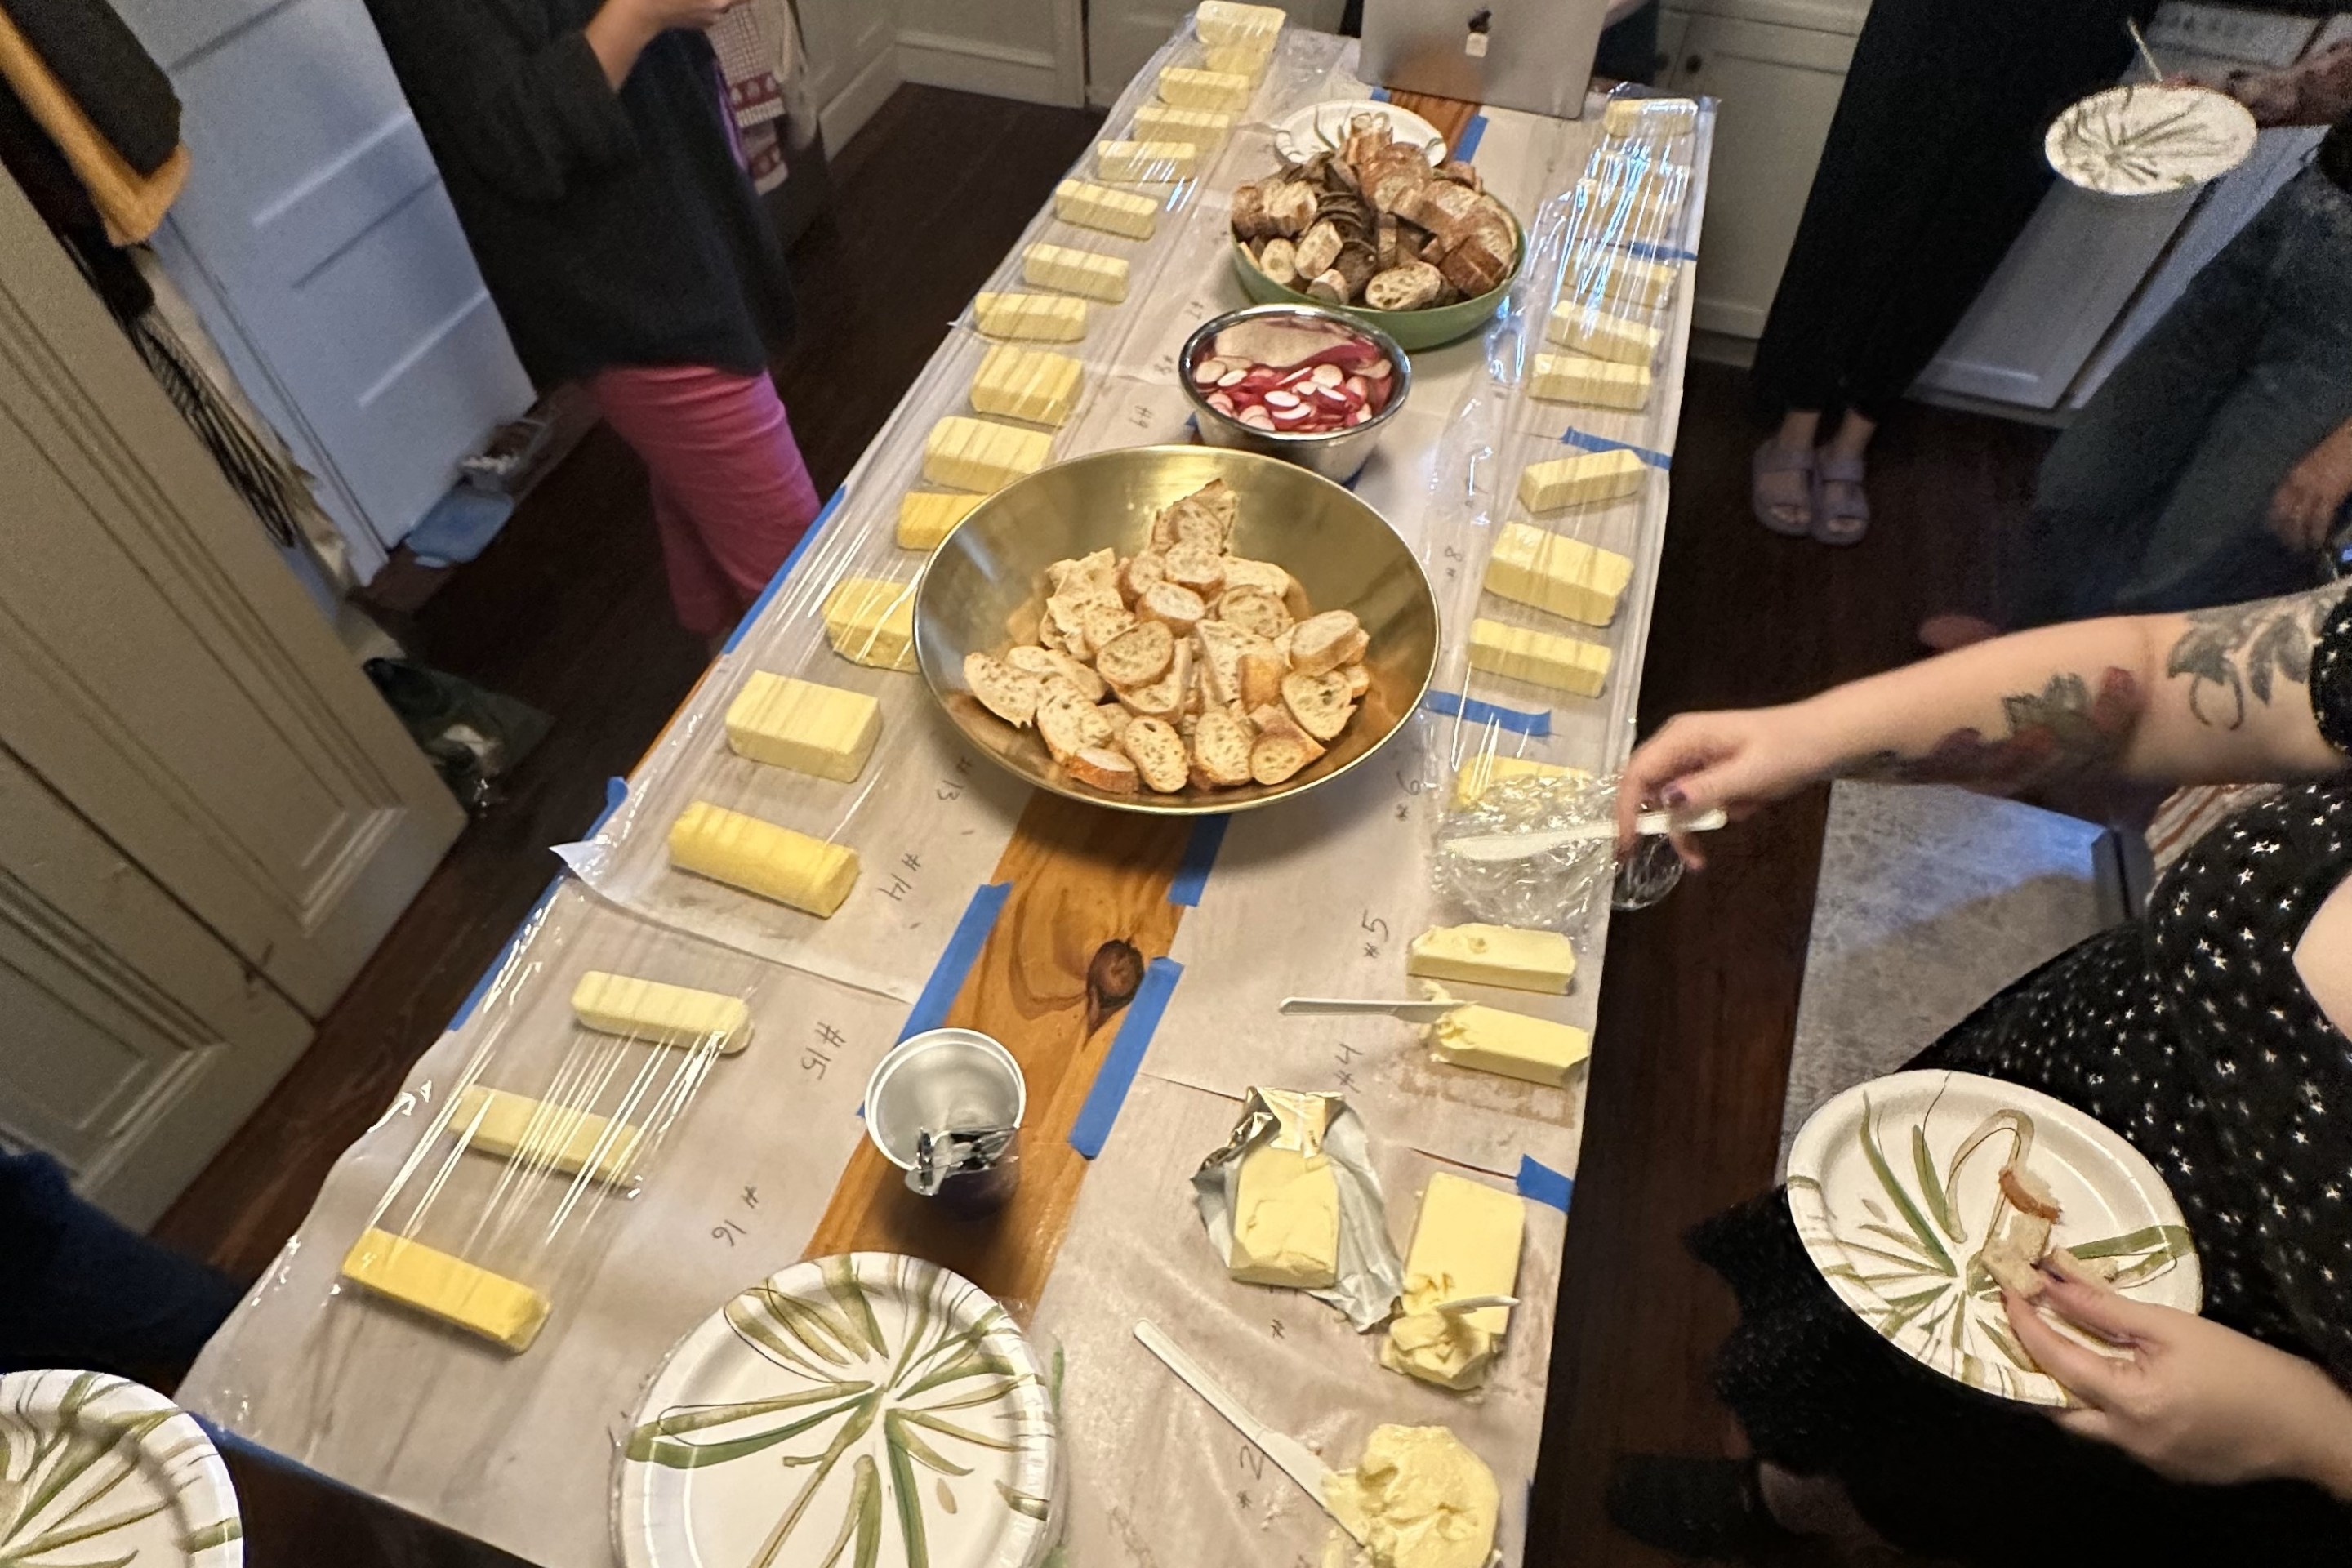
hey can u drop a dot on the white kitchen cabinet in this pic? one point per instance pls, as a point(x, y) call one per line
point(1776, 88)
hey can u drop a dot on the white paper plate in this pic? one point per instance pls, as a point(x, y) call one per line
point(1868, 1180)
point(2145, 138)
point(99, 1470)
point(1319, 127)
point(849, 1404)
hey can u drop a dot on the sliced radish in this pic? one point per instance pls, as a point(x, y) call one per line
point(1221, 402)
point(1330, 374)
point(1377, 370)
point(1258, 418)
point(1360, 416)
point(1277, 398)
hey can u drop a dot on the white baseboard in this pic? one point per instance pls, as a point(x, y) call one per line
point(842, 115)
point(975, 65)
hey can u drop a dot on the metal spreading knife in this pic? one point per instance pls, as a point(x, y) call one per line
point(1412, 1012)
point(1293, 1458)
point(1520, 846)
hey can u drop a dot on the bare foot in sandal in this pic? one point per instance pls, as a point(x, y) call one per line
point(1840, 506)
point(1780, 488)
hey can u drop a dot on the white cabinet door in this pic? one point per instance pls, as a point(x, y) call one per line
point(1776, 89)
point(137, 1040)
point(1122, 33)
point(317, 222)
point(853, 54)
point(163, 673)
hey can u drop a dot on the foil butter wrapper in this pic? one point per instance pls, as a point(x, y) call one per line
point(1371, 1275)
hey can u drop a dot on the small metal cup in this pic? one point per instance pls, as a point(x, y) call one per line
point(949, 1080)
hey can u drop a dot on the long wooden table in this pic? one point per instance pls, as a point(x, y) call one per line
point(767, 1162)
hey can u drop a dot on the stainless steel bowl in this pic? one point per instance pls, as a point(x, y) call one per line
point(984, 589)
point(1337, 454)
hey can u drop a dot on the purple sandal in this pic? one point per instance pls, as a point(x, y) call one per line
point(1840, 506)
point(1782, 481)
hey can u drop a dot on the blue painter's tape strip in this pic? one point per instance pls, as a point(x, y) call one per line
point(1091, 1130)
point(777, 582)
point(1200, 859)
point(482, 986)
point(1518, 720)
point(1466, 146)
point(1585, 443)
point(1379, 95)
point(1649, 252)
point(615, 792)
point(957, 958)
point(1540, 1184)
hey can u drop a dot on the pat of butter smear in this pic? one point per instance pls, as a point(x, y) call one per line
point(1494, 955)
point(1418, 1498)
point(1286, 1205)
point(1466, 1242)
point(1512, 1045)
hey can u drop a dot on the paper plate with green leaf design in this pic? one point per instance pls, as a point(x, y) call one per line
point(1894, 1184)
point(848, 1412)
point(100, 1472)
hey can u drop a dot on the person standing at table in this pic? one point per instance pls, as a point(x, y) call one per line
point(587, 149)
point(1933, 165)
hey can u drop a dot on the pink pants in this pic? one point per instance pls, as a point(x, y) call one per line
point(731, 496)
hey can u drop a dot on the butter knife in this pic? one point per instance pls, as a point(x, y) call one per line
point(1412, 1012)
point(1293, 1458)
point(1520, 846)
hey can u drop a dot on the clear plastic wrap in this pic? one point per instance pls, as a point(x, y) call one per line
point(1557, 888)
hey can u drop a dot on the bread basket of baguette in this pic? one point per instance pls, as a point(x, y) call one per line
point(1176, 630)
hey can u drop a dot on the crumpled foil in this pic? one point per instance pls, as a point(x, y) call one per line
point(1371, 1275)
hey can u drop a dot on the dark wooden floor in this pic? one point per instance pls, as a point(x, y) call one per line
point(567, 611)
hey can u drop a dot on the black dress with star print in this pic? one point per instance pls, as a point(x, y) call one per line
point(2191, 1032)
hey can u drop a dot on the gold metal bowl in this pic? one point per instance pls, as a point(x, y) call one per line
point(986, 589)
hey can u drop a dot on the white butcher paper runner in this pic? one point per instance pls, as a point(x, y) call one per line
point(517, 1450)
point(1153, 1466)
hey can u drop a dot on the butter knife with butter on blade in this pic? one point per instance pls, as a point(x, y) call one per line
point(1293, 1458)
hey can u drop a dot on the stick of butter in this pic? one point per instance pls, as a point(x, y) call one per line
point(1555, 573)
point(1099, 207)
point(1225, 21)
point(661, 1015)
point(1576, 324)
point(1649, 116)
point(449, 1289)
point(928, 517)
point(1036, 318)
point(1581, 480)
point(1076, 271)
point(1547, 658)
point(1641, 214)
point(1623, 279)
point(1286, 1219)
point(1035, 384)
point(983, 454)
point(1247, 61)
point(871, 620)
point(1465, 1243)
point(787, 722)
point(1164, 122)
point(1512, 1045)
point(1418, 1498)
point(1494, 955)
point(1580, 378)
point(561, 1140)
point(1472, 779)
point(1145, 163)
point(1216, 91)
point(760, 857)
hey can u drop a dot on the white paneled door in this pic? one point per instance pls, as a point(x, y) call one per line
point(328, 260)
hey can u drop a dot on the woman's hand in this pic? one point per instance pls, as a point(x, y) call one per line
point(620, 30)
point(2195, 1402)
point(2303, 509)
point(1738, 760)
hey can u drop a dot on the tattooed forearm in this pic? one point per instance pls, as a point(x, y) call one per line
point(2067, 728)
point(2236, 652)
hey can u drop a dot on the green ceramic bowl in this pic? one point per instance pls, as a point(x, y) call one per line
point(1412, 330)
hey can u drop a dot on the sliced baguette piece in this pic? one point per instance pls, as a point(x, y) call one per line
point(1192, 521)
point(1173, 605)
point(1262, 575)
point(1117, 717)
point(1164, 697)
point(1137, 655)
point(1047, 663)
point(1139, 572)
point(1221, 750)
point(1069, 725)
point(1085, 576)
point(2096, 1272)
point(1104, 769)
point(1098, 623)
point(1220, 647)
point(1011, 694)
point(1254, 610)
point(1159, 755)
point(1320, 703)
point(2028, 1191)
point(1327, 641)
point(1276, 758)
point(1197, 567)
point(1261, 672)
point(1360, 679)
point(2011, 1269)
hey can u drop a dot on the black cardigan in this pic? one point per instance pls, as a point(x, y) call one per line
point(613, 228)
